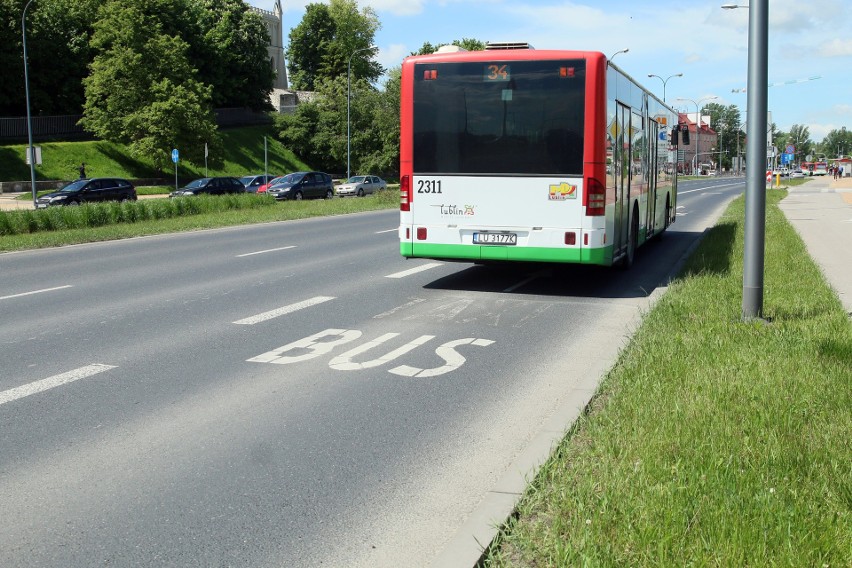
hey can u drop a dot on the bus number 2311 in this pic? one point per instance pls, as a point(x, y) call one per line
point(428, 186)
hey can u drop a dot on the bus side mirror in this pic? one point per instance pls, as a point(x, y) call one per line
point(674, 138)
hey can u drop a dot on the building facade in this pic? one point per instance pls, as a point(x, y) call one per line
point(275, 25)
point(702, 142)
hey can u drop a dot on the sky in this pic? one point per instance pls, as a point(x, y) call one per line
point(810, 45)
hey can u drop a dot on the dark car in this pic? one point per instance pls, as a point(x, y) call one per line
point(302, 185)
point(256, 183)
point(211, 186)
point(89, 191)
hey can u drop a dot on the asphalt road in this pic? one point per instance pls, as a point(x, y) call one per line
point(288, 394)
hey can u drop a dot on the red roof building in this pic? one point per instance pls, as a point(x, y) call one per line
point(703, 140)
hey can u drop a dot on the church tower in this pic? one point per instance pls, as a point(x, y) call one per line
point(274, 23)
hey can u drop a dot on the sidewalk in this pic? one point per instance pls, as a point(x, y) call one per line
point(821, 212)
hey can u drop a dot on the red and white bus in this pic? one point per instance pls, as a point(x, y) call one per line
point(519, 154)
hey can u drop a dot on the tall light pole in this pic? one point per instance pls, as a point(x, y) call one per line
point(348, 102)
point(31, 154)
point(666, 80)
point(697, 122)
point(755, 201)
point(625, 50)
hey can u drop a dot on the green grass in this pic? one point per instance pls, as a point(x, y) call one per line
point(57, 226)
point(712, 442)
point(244, 154)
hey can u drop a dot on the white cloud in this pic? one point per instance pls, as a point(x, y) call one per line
point(836, 48)
point(396, 7)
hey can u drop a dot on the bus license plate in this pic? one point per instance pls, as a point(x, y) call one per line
point(495, 238)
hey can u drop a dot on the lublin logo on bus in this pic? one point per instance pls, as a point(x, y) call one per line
point(455, 210)
point(562, 192)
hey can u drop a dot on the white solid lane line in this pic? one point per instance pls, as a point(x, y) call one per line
point(411, 271)
point(53, 382)
point(283, 310)
point(265, 251)
point(387, 231)
point(35, 292)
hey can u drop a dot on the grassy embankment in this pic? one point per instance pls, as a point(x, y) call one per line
point(712, 442)
point(243, 148)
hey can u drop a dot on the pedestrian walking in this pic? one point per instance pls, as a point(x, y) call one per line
point(82, 169)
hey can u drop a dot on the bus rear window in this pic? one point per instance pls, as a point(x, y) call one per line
point(503, 118)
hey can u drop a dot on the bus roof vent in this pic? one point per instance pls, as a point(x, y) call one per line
point(450, 49)
point(507, 45)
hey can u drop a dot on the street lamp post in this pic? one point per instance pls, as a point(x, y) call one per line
point(348, 103)
point(31, 154)
point(698, 121)
point(625, 50)
point(755, 202)
point(666, 80)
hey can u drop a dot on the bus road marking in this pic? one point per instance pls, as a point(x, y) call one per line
point(325, 342)
point(265, 251)
point(284, 310)
point(35, 292)
point(411, 271)
point(53, 382)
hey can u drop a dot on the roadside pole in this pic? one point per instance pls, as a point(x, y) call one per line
point(175, 157)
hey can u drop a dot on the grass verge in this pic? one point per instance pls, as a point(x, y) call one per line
point(53, 226)
point(712, 442)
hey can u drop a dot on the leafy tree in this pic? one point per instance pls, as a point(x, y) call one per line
point(317, 129)
point(142, 90)
point(800, 137)
point(327, 37)
point(230, 52)
point(465, 43)
point(58, 33)
point(308, 43)
point(838, 142)
point(725, 120)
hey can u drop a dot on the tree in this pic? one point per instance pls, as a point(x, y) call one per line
point(725, 120)
point(800, 137)
point(838, 142)
point(58, 33)
point(322, 44)
point(142, 90)
point(230, 52)
point(465, 43)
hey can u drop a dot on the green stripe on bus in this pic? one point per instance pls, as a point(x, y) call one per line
point(602, 256)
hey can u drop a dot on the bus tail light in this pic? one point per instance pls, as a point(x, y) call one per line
point(595, 198)
point(570, 238)
point(405, 193)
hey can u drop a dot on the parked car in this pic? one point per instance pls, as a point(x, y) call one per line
point(797, 174)
point(211, 186)
point(254, 182)
point(89, 191)
point(263, 188)
point(361, 186)
point(302, 185)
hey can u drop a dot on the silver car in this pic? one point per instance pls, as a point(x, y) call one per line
point(361, 186)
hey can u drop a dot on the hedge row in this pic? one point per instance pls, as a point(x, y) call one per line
point(100, 214)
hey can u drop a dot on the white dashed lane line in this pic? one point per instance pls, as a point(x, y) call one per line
point(284, 310)
point(35, 292)
point(265, 251)
point(411, 271)
point(53, 382)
